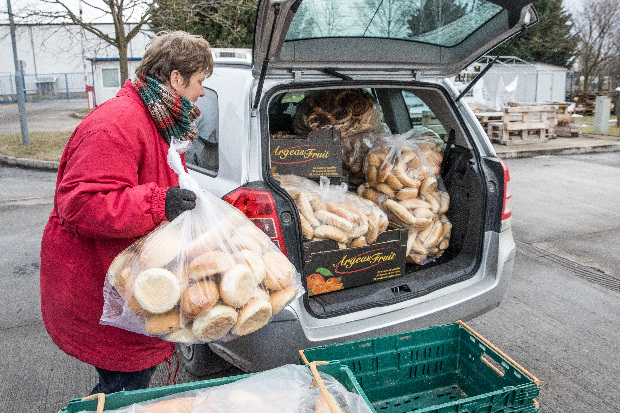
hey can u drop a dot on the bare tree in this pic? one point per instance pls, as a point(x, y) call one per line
point(224, 23)
point(128, 17)
point(389, 17)
point(597, 27)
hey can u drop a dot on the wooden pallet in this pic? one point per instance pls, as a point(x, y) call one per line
point(489, 117)
point(523, 124)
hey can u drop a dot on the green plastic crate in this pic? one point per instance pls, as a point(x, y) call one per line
point(448, 368)
point(126, 398)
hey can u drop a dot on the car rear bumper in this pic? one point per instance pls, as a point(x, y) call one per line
point(278, 343)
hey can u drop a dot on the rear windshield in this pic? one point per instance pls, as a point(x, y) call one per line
point(438, 22)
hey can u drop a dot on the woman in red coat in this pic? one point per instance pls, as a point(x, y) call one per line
point(113, 186)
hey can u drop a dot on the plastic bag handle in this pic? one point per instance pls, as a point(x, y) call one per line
point(100, 400)
point(333, 407)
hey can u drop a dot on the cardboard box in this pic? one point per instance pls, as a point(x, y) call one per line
point(328, 268)
point(319, 154)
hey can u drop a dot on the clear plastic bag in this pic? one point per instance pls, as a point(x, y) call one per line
point(402, 176)
point(354, 113)
point(209, 275)
point(287, 389)
point(332, 212)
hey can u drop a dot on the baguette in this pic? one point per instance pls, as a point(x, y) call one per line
point(384, 171)
point(394, 182)
point(331, 232)
point(303, 204)
point(407, 193)
point(306, 228)
point(341, 211)
point(399, 212)
point(328, 218)
point(444, 202)
point(415, 203)
point(358, 242)
point(428, 186)
point(386, 189)
point(434, 236)
point(432, 199)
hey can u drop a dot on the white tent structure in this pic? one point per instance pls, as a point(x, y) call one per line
point(511, 79)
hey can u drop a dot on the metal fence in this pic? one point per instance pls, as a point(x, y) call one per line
point(44, 87)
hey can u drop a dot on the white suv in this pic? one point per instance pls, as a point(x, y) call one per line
point(400, 52)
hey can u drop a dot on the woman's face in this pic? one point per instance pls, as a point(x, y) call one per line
point(193, 89)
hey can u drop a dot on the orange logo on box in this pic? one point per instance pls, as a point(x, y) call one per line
point(368, 258)
point(299, 154)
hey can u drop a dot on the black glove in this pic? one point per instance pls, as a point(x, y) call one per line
point(178, 200)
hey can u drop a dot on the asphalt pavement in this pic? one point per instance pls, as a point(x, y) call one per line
point(567, 357)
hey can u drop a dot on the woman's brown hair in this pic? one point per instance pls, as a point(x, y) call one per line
point(177, 50)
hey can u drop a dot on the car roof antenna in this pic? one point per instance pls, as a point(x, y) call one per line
point(489, 65)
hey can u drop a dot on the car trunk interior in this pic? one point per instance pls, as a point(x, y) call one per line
point(402, 108)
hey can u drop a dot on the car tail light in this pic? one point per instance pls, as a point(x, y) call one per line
point(507, 203)
point(260, 207)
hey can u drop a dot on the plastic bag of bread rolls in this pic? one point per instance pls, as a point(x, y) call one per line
point(332, 212)
point(286, 389)
point(354, 113)
point(209, 275)
point(402, 176)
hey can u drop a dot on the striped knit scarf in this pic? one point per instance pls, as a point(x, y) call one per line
point(173, 114)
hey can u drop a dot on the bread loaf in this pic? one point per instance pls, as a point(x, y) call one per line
point(157, 290)
point(237, 285)
point(214, 323)
point(279, 270)
point(199, 297)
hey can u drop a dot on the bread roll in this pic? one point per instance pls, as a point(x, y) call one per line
point(280, 299)
point(237, 285)
point(199, 297)
point(252, 316)
point(207, 264)
point(176, 405)
point(306, 228)
point(159, 248)
point(244, 242)
point(255, 262)
point(331, 232)
point(119, 263)
point(133, 305)
point(407, 193)
point(279, 270)
point(321, 405)
point(207, 241)
point(399, 212)
point(157, 290)
point(157, 324)
point(123, 281)
point(429, 185)
point(182, 335)
point(215, 323)
point(256, 234)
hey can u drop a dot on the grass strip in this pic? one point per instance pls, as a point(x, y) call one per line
point(46, 146)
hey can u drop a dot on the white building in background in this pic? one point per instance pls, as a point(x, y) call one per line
point(52, 48)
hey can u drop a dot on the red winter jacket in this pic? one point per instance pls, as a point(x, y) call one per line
point(111, 189)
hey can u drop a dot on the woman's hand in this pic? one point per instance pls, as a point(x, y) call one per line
point(178, 200)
